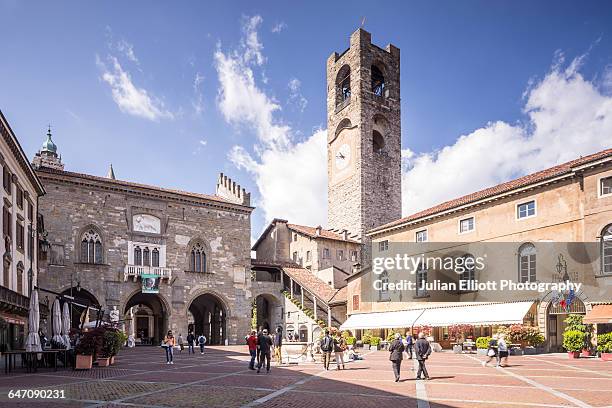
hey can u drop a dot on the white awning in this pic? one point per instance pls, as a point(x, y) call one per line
point(382, 320)
point(477, 315)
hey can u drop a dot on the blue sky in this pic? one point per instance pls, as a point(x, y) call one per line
point(476, 75)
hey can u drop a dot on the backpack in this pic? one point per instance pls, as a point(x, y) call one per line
point(201, 340)
point(327, 344)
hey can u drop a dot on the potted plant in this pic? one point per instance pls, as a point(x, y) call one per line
point(574, 323)
point(573, 342)
point(604, 346)
point(375, 341)
point(482, 345)
point(366, 338)
point(85, 351)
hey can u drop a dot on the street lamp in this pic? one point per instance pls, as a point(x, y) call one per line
point(78, 288)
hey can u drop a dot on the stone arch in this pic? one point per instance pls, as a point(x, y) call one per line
point(81, 296)
point(378, 78)
point(344, 124)
point(380, 129)
point(343, 85)
point(191, 245)
point(211, 314)
point(268, 311)
point(162, 314)
point(78, 240)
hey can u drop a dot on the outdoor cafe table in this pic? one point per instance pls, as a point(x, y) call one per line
point(31, 358)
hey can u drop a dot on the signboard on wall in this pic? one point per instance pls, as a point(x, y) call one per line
point(150, 283)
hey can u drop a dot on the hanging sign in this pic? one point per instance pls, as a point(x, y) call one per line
point(150, 283)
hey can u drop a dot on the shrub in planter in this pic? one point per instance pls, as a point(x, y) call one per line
point(604, 346)
point(350, 341)
point(375, 341)
point(483, 342)
point(85, 351)
point(573, 341)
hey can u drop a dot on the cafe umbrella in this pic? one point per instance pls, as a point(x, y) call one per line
point(66, 325)
point(33, 340)
point(57, 322)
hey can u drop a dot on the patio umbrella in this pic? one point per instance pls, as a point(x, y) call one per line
point(32, 342)
point(66, 325)
point(57, 322)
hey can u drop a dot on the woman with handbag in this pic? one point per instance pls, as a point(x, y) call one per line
point(169, 344)
point(491, 351)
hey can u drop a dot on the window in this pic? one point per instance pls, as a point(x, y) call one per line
point(197, 258)
point(137, 256)
point(295, 256)
point(606, 250)
point(421, 280)
point(30, 211)
point(526, 210)
point(294, 237)
point(340, 254)
point(325, 253)
point(19, 197)
point(383, 293)
point(155, 258)
point(378, 142)
point(91, 247)
point(343, 86)
point(378, 81)
point(6, 179)
point(605, 186)
point(354, 256)
point(469, 271)
point(7, 222)
point(466, 225)
point(383, 245)
point(20, 277)
point(527, 263)
point(19, 236)
point(146, 257)
point(6, 272)
point(421, 236)
point(307, 256)
point(355, 302)
point(30, 243)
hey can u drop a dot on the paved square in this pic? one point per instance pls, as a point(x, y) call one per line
point(221, 378)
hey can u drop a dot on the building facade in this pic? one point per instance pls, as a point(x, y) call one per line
point(164, 259)
point(20, 192)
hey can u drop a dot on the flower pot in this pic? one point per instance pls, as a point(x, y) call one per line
point(585, 353)
point(83, 362)
point(103, 361)
point(573, 354)
point(606, 356)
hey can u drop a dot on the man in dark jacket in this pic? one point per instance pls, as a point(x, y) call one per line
point(278, 344)
point(327, 346)
point(190, 341)
point(397, 354)
point(264, 343)
point(422, 350)
point(409, 344)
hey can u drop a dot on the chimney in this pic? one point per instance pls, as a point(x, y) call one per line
point(318, 231)
point(344, 234)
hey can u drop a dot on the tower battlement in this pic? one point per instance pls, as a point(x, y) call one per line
point(232, 191)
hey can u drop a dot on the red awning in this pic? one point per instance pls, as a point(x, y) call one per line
point(599, 314)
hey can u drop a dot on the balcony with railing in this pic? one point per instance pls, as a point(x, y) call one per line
point(13, 302)
point(135, 271)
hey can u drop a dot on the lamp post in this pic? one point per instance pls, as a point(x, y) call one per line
point(78, 288)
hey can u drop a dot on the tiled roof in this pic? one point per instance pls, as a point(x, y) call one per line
point(318, 287)
point(129, 184)
point(312, 233)
point(525, 181)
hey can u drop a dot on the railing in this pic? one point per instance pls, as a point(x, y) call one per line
point(14, 299)
point(137, 270)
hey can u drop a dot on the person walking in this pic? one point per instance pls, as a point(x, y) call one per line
point(502, 351)
point(339, 349)
point(409, 345)
point(422, 349)
point(169, 344)
point(491, 351)
point(396, 348)
point(327, 346)
point(180, 342)
point(190, 343)
point(202, 342)
point(252, 343)
point(278, 344)
point(264, 342)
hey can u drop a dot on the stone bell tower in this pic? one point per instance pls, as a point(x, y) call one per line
point(363, 136)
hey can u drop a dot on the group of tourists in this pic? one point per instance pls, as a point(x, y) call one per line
point(261, 345)
point(170, 342)
point(498, 350)
point(333, 344)
point(422, 350)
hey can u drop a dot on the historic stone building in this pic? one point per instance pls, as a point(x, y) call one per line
point(164, 259)
point(20, 192)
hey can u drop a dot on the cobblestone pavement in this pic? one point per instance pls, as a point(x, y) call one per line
point(220, 378)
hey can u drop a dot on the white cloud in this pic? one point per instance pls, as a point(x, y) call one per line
point(567, 116)
point(201, 145)
point(129, 98)
point(126, 49)
point(291, 176)
point(295, 95)
point(278, 27)
point(252, 46)
point(198, 101)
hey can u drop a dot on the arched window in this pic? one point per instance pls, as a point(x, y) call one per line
point(197, 258)
point(469, 271)
point(155, 258)
point(20, 277)
point(378, 81)
point(421, 280)
point(6, 271)
point(343, 86)
point(383, 293)
point(91, 247)
point(606, 250)
point(527, 263)
point(146, 257)
point(137, 256)
point(378, 143)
